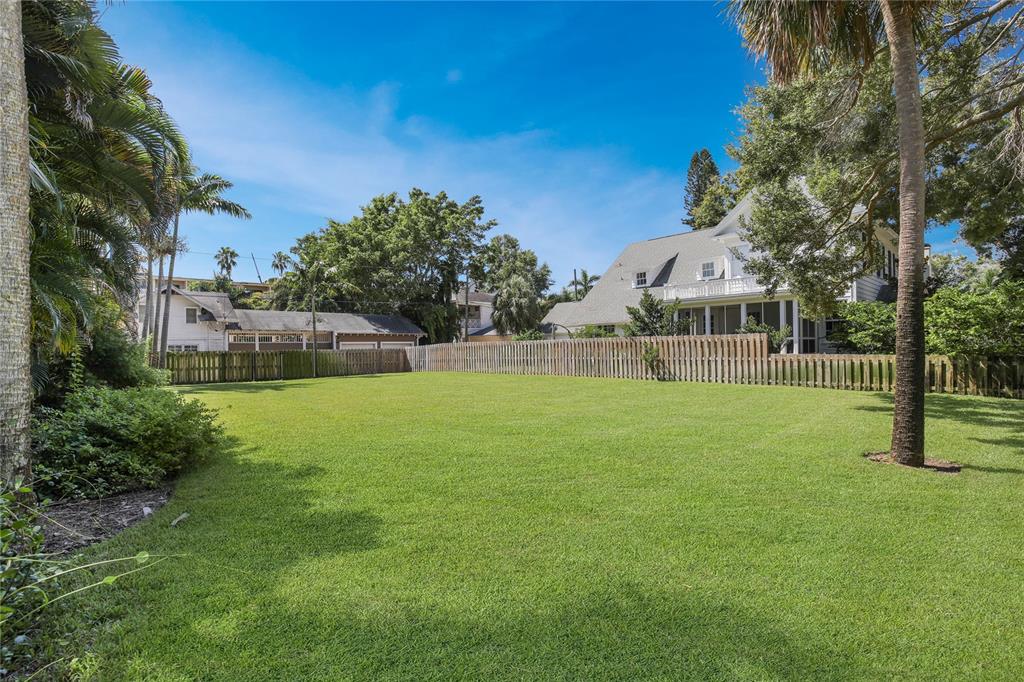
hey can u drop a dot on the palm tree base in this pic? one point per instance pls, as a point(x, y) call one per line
point(939, 465)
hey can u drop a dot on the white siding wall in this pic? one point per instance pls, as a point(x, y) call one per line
point(868, 287)
point(205, 335)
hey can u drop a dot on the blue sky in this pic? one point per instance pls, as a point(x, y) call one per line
point(574, 122)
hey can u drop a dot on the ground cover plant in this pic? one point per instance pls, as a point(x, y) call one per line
point(464, 526)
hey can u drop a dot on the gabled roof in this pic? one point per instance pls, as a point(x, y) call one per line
point(341, 323)
point(216, 303)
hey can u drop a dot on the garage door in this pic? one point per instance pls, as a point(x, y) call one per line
point(397, 344)
point(356, 344)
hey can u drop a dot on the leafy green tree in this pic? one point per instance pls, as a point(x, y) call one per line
point(402, 256)
point(653, 317)
point(529, 335)
point(837, 131)
point(227, 259)
point(866, 327)
point(516, 306)
point(719, 198)
point(503, 258)
point(700, 176)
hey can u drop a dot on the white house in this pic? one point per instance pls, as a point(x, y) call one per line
point(700, 271)
point(206, 321)
point(479, 311)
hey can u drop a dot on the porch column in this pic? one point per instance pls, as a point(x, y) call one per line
point(303, 340)
point(334, 341)
point(782, 319)
point(707, 320)
point(743, 314)
point(796, 326)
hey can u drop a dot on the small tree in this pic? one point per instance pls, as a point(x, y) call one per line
point(776, 337)
point(592, 331)
point(653, 318)
point(717, 201)
point(701, 175)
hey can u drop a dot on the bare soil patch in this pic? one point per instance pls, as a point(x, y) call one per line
point(75, 524)
point(940, 465)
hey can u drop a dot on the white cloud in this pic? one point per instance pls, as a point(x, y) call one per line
point(321, 152)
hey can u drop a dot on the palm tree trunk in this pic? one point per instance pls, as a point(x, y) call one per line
point(146, 324)
point(908, 415)
point(167, 295)
point(15, 240)
point(156, 307)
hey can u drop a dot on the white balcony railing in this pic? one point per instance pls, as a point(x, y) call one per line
point(715, 288)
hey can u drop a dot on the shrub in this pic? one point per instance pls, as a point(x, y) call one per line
point(592, 331)
point(27, 578)
point(529, 335)
point(104, 441)
point(866, 328)
point(776, 337)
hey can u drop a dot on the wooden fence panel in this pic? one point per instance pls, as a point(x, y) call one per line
point(218, 367)
point(731, 359)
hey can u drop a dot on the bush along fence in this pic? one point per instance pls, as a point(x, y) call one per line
point(730, 359)
point(207, 367)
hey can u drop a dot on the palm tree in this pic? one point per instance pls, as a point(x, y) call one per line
point(227, 259)
point(584, 283)
point(282, 261)
point(516, 307)
point(194, 193)
point(800, 38)
point(15, 236)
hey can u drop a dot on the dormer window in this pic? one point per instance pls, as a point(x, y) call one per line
point(707, 270)
point(640, 280)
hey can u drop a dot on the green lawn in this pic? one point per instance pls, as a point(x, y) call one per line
point(445, 526)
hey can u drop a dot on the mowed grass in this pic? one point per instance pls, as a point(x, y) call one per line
point(460, 526)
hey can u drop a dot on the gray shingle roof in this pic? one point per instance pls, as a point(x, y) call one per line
point(342, 323)
point(673, 259)
point(216, 303)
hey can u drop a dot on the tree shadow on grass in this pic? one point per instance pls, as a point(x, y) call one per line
point(262, 386)
point(620, 630)
point(1001, 419)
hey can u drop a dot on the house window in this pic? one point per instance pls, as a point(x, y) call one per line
point(707, 270)
point(266, 338)
point(243, 338)
point(640, 280)
point(186, 348)
point(191, 315)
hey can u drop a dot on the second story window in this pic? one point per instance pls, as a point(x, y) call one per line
point(707, 270)
point(640, 280)
point(191, 315)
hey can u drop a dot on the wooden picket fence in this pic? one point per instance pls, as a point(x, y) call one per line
point(207, 367)
point(729, 359)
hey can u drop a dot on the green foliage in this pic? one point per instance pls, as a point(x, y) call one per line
point(719, 198)
point(653, 317)
point(516, 306)
point(239, 297)
point(989, 323)
point(529, 335)
point(592, 331)
point(820, 155)
point(865, 328)
point(651, 357)
point(503, 258)
point(104, 441)
point(700, 176)
point(27, 577)
point(985, 322)
point(227, 259)
point(582, 284)
point(960, 272)
point(398, 256)
point(776, 337)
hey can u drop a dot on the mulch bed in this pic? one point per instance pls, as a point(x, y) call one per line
point(940, 465)
point(75, 524)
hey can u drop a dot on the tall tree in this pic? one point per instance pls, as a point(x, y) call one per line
point(194, 194)
point(872, 52)
point(653, 317)
point(227, 259)
point(517, 308)
point(503, 258)
point(584, 282)
point(701, 175)
point(282, 261)
point(15, 237)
